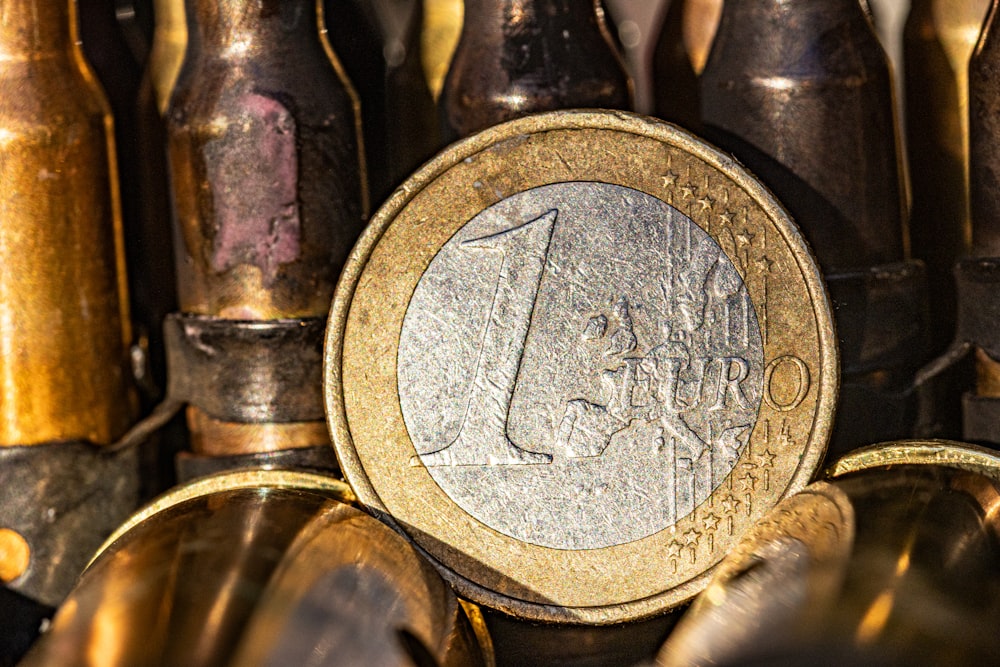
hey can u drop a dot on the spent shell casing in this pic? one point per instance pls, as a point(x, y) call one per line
point(268, 185)
point(258, 567)
point(517, 57)
point(64, 316)
point(65, 387)
point(801, 93)
point(264, 158)
point(890, 561)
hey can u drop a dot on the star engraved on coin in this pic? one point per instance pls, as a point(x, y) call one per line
point(580, 340)
point(547, 362)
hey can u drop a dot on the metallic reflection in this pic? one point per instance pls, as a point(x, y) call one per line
point(258, 568)
point(879, 565)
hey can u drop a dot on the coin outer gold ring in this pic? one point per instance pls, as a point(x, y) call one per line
point(618, 583)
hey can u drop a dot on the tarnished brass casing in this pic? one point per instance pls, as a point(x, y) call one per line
point(265, 567)
point(268, 186)
point(167, 53)
point(264, 161)
point(939, 38)
point(895, 560)
point(801, 93)
point(517, 57)
point(681, 52)
point(64, 322)
point(984, 148)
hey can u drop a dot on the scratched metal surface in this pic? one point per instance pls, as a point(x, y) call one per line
point(580, 366)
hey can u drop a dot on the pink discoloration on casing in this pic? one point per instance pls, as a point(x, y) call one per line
point(253, 172)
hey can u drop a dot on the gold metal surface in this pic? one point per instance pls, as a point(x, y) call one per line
point(482, 632)
point(258, 568)
point(64, 321)
point(392, 590)
point(15, 555)
point(987, 375)
point(442, 28)
point(700, 21)
point(169, 44)
point(212, 437)
point(610, 584)
point(890, 561)
point(231, 481)
point(948, 453)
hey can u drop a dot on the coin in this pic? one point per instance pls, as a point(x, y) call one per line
point(573, 358)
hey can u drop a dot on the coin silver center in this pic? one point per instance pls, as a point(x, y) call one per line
point(580, 366)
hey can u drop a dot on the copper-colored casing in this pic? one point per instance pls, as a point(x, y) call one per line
point(800, 91)
point(265, 162)
point(64, 327)
point(253, 568)
point(267, 178)
point(517, 57)
point(892, 561)
point(939, 38)
point(167, 54)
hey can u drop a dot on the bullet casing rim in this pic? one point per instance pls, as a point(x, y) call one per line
point(948, 453)
point(232, 481)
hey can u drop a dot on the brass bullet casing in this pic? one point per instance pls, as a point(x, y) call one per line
point(527, 338)
point(517, 57)
point(938, 40)
point(441, 31)
point(894, 560)
point(65, 387)
point(685, 40)
point(258, 567)
point(64, 322)
point(800, 91)
point(265, 164)
point(167, 53)
point(379, 44)
point(984, 149)
point(268, 189)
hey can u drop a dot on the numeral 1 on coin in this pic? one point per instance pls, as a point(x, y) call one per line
point(482, 438)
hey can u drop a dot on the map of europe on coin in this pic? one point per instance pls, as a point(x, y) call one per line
point(580, 365)
point(574, 358)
